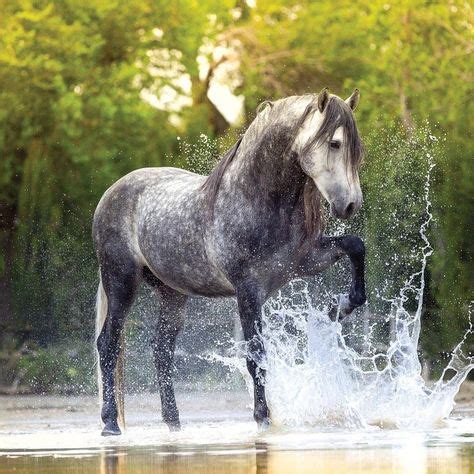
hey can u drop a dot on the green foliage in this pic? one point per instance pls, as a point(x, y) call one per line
point(62, 368)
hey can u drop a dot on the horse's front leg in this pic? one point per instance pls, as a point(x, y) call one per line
point(250, 311)
point(354, 248)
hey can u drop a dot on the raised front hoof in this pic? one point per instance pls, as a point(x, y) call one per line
point(111, 429)
point(334, 313)
point(342, 307)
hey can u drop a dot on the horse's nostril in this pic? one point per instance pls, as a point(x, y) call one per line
point(350, 209)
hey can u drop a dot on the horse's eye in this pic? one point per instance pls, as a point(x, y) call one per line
point(335, 144)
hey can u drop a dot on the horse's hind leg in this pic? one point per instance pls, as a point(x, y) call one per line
point(119, 281)
point(170, 322)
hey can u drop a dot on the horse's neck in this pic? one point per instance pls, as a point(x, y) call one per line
point(267, 168)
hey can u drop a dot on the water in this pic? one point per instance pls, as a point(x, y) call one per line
point(61, 435)
point(257, 458)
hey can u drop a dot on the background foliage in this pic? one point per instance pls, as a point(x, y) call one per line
point(73, 119)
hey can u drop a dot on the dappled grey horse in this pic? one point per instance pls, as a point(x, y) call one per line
point(245, 230)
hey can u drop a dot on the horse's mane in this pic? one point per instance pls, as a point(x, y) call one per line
point(336, 114)
point(213, 181)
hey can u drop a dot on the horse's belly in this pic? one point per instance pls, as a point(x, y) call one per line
point(188, 274)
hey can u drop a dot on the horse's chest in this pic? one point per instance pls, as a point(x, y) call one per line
point(266, 250)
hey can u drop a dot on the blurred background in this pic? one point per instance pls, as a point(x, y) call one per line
point(92, 90)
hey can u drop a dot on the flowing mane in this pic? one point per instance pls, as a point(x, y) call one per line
point(281, 113)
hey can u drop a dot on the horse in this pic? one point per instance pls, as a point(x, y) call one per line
point(251, 226)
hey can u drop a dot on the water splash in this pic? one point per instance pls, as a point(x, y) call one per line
point(315, 378)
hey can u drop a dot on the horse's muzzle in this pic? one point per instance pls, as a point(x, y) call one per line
point(344, 210)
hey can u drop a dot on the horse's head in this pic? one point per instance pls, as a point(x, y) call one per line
point(329, 150)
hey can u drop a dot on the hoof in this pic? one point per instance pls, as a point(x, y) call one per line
point(111, 430)
point(341, 308)
point(333, 312)
point(262, 417)
point(173, 425)
point(264, 425)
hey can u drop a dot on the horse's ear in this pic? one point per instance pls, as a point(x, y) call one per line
point(323, 98)
point(353, 100)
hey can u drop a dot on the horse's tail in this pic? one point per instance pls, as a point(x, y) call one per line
point(101, 314)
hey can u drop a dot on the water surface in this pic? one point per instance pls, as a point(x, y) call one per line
point(61, 435)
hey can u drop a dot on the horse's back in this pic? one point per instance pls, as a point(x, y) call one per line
point(116, 217)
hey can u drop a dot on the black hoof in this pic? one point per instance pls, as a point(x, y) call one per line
point(262, 417)
point(111, 430)
point(333, 313)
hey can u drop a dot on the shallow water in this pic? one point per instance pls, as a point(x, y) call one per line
point(61, 435)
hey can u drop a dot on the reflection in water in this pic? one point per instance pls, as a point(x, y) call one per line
point(257, 458)
point(112, 462)
point(173, 459)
